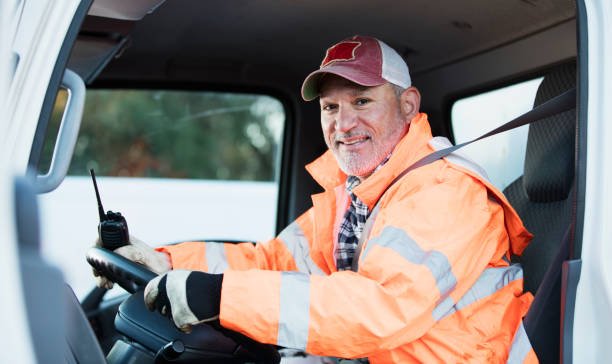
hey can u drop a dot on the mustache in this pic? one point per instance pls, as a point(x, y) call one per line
point(342, 136)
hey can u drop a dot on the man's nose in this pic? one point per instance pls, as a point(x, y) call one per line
point(346, 119)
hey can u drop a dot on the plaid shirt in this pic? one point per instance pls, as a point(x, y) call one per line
point(352, 224)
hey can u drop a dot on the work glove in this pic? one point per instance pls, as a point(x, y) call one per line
point(139, 252)
point(185, 297)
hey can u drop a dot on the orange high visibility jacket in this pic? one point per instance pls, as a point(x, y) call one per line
point(433, 285)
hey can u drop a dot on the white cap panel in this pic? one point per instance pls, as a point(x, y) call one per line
point(394, 69)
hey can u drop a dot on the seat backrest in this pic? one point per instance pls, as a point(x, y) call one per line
point(543, 198)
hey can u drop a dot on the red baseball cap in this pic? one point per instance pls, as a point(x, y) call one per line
point(366, 61)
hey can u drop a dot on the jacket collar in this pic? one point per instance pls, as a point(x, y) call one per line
point(412, 147)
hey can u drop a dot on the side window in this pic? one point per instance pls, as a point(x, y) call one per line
point(502, 155)
point(179, 165)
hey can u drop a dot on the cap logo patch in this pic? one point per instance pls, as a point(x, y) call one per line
point(344, 51)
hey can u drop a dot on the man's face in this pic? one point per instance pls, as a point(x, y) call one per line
point(361, 125)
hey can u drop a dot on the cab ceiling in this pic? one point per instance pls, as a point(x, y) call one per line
point(232, 38)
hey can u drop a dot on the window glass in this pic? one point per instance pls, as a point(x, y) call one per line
point(179, 165)
point(502, 155)
point(52, 130)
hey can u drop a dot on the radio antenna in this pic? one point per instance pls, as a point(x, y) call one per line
point(100, 208)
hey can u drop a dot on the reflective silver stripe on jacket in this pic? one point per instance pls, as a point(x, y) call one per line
point(216, 258)
point(520, 347)
point(294, 314)
point(295, 241)
point(437, 263)
point(490, 281)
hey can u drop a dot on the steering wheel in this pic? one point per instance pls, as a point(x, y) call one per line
point(133, 277)
point(126, 273)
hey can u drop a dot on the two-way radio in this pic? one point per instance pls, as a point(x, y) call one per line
point(113, 228)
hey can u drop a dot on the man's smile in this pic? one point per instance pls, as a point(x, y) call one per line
point(354, 141)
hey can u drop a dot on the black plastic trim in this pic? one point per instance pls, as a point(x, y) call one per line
point(124, 352)
point(93, 299)
point(581, 129)
point(572, 267)
point(54, 83)
point(122, 43)
point(212, 239)
point(153, 331)
point(570, 277)
point(284, 190)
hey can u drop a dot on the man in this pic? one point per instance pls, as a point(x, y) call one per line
point(429, 282)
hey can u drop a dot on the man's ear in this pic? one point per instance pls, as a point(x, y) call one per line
point(410, 102)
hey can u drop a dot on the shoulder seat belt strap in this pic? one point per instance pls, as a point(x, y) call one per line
point(564, 102)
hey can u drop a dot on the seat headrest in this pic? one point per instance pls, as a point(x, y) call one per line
point(548, 173)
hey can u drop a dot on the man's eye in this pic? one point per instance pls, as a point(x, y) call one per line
point(329, 107)
point(361, 101)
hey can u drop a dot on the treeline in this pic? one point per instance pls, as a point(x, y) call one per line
point(175, 134)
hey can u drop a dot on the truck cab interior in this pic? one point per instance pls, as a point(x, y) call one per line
point(455, 50)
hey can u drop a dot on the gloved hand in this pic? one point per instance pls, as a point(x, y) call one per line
point(186, 297)
point(139, 252)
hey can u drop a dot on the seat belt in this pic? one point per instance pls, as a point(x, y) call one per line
point(564, 102)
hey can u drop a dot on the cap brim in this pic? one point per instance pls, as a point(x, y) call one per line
point(310, 87)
